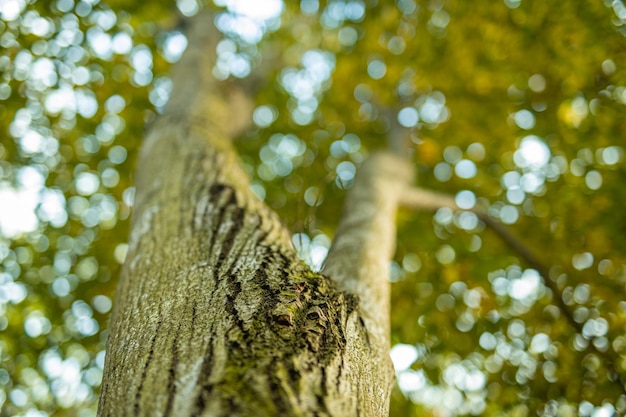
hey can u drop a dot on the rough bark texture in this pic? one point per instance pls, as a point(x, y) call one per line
point(215, 315)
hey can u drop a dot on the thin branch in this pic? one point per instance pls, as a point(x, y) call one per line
point(429, 200)
point(418, 198)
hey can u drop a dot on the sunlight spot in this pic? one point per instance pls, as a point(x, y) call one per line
point(376, 69)
point(313, 196)
point(452, 154)
point(18, 397)
point(17, 206)
point(102, 304)
point(403, 356)
point(110, 177)
point(346, 171)
point(86, 103)
point(122, 43)
point(61, 287)
point(32, 142)
point(607, 410)
point(44, 72)
point(465, 322)
point(475, 380)
point(411, 262)
point(119, 253)
point(465, 199)
point(608, 67)
point(540, 343)
point(476, 151)
point(106, 19)
point(11, 9)
point(241, 26)
point(440, 18)
point(411, 381)
point(532, 153)
point(445, 255)
point(348, 36)
point(444, 216)
point(443, 171)
point(444, 302)
point(174, 46)
point(537, 83)
point(515, 195)
point(487, 341)
point(36, 324)
point(59, 100)
point(254, 9)
point(52, 207)
point(363, 93)
point(512, 4)
point(87, 183)
point(524, 119)
point(309, 6)
point(14, 292)
point(117, 154)
point(265, 115)
point(100, 42)
point(80, 76)
point(595, 328)
point(525, 287)
point(396, 45)
point(319, 251)
point(188, 7)
point(115, 104)
point(611, 155)
point(465, 169)
point(408, 117)
point(141, 59)
point(509, 214)
point(532, 182)
point(432, 108)
point(407, 7)
point(582, 261)
point(593, 179)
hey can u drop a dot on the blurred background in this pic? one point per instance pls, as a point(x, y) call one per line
point(516, 107)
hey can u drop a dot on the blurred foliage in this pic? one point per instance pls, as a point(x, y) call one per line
point(516, 106)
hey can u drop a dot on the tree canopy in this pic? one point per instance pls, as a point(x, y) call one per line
point(515, 108)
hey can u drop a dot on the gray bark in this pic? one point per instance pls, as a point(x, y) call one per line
point(215, 315)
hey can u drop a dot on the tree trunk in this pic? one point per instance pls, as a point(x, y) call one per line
point(215, 315)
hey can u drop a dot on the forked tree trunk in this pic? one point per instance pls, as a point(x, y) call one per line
point(215, 315)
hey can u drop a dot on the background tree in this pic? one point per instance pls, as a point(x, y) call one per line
point(515, 108)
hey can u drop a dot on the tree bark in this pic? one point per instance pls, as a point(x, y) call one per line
point(215, 315)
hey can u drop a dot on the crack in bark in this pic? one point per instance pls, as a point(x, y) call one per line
point(206, 387)
point(194, 314)
point(144, 372)
point(171, 381)
point(236, 214)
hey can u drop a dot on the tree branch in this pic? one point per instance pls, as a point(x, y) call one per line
point(198, 94)
point(418, 198)
point(423, 199)
point(359, 257)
